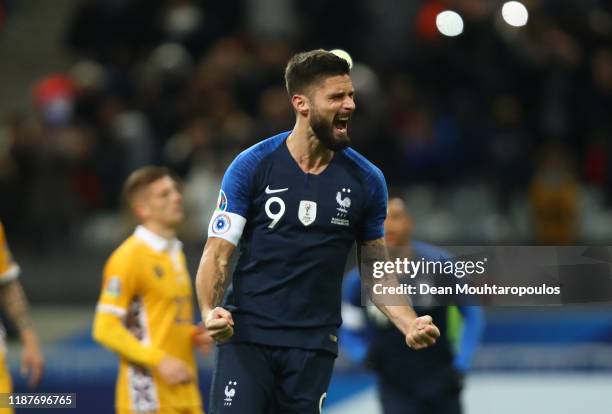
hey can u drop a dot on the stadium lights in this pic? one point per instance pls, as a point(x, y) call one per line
point(515, 13)
point(449, 23)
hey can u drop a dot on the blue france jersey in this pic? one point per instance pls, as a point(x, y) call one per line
point(295, 231)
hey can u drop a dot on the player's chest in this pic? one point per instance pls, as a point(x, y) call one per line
point(288, 200)
point(166, 276)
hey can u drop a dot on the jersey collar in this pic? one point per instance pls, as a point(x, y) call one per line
point(156, 242)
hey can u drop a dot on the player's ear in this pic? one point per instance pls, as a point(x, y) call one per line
point(140, 207)
point(139, 211)
point(301, 104)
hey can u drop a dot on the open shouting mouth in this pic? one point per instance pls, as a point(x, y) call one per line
point(341, 123)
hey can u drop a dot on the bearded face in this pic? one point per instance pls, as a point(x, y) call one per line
point(333, 133)
point(332, 104)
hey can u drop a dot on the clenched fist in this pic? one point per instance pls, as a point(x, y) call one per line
point(219, 324)
point(422, 333)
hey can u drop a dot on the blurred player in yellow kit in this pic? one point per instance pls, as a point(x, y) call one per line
point(145, 310)
point(13, 299)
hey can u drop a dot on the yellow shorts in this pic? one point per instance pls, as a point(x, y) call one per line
point(6, 385)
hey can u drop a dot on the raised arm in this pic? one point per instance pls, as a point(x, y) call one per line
point(224, 233)
point(211, 280)
point(420, 332)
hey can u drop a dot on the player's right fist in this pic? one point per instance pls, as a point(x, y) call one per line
point(174, 371)
point(219, 324)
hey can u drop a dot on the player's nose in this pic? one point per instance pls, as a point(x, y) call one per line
point(349, 104)
point(178, 198)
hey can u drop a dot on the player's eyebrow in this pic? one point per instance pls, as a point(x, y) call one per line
point(339, 94)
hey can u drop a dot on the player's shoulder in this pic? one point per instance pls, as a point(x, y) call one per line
point(257, 152)
point(241, 172)
point(363, 165)
point(129, 251)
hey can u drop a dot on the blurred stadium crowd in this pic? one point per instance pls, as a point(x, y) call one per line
point(499, 134)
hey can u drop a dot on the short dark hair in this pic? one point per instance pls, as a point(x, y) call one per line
point(306, 68)
point(141, 178)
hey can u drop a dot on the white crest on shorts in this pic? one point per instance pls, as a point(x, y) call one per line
point(307, 212)
point(229, 393)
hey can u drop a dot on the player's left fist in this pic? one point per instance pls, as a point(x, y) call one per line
point(422, 333)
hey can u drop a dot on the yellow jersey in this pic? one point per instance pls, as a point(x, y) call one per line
point(9, 270)
point(145, 312)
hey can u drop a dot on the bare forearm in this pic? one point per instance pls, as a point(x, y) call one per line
point(400, 313)
point(419, 332)
point(15, 303)
point(211, 279)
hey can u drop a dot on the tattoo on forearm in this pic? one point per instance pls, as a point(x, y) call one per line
point(15, 303)
point(377, 251)
point(375, 242)
point(219, 287)
point(221, 270)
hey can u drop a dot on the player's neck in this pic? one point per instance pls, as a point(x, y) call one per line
point(161, 230)
point(311, 156)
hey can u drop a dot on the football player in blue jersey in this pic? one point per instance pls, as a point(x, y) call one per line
point(296, 202)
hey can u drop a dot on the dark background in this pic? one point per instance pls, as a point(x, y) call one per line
point(501, 135)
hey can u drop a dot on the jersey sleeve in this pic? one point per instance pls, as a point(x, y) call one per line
point(9, 270)
point(119, 285)
point(473, 328)
point(230, 214)
point(372, 225)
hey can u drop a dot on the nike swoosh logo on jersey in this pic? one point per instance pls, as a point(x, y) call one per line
point(278, 190)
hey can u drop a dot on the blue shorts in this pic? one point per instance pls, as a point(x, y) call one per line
point(261, 379)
